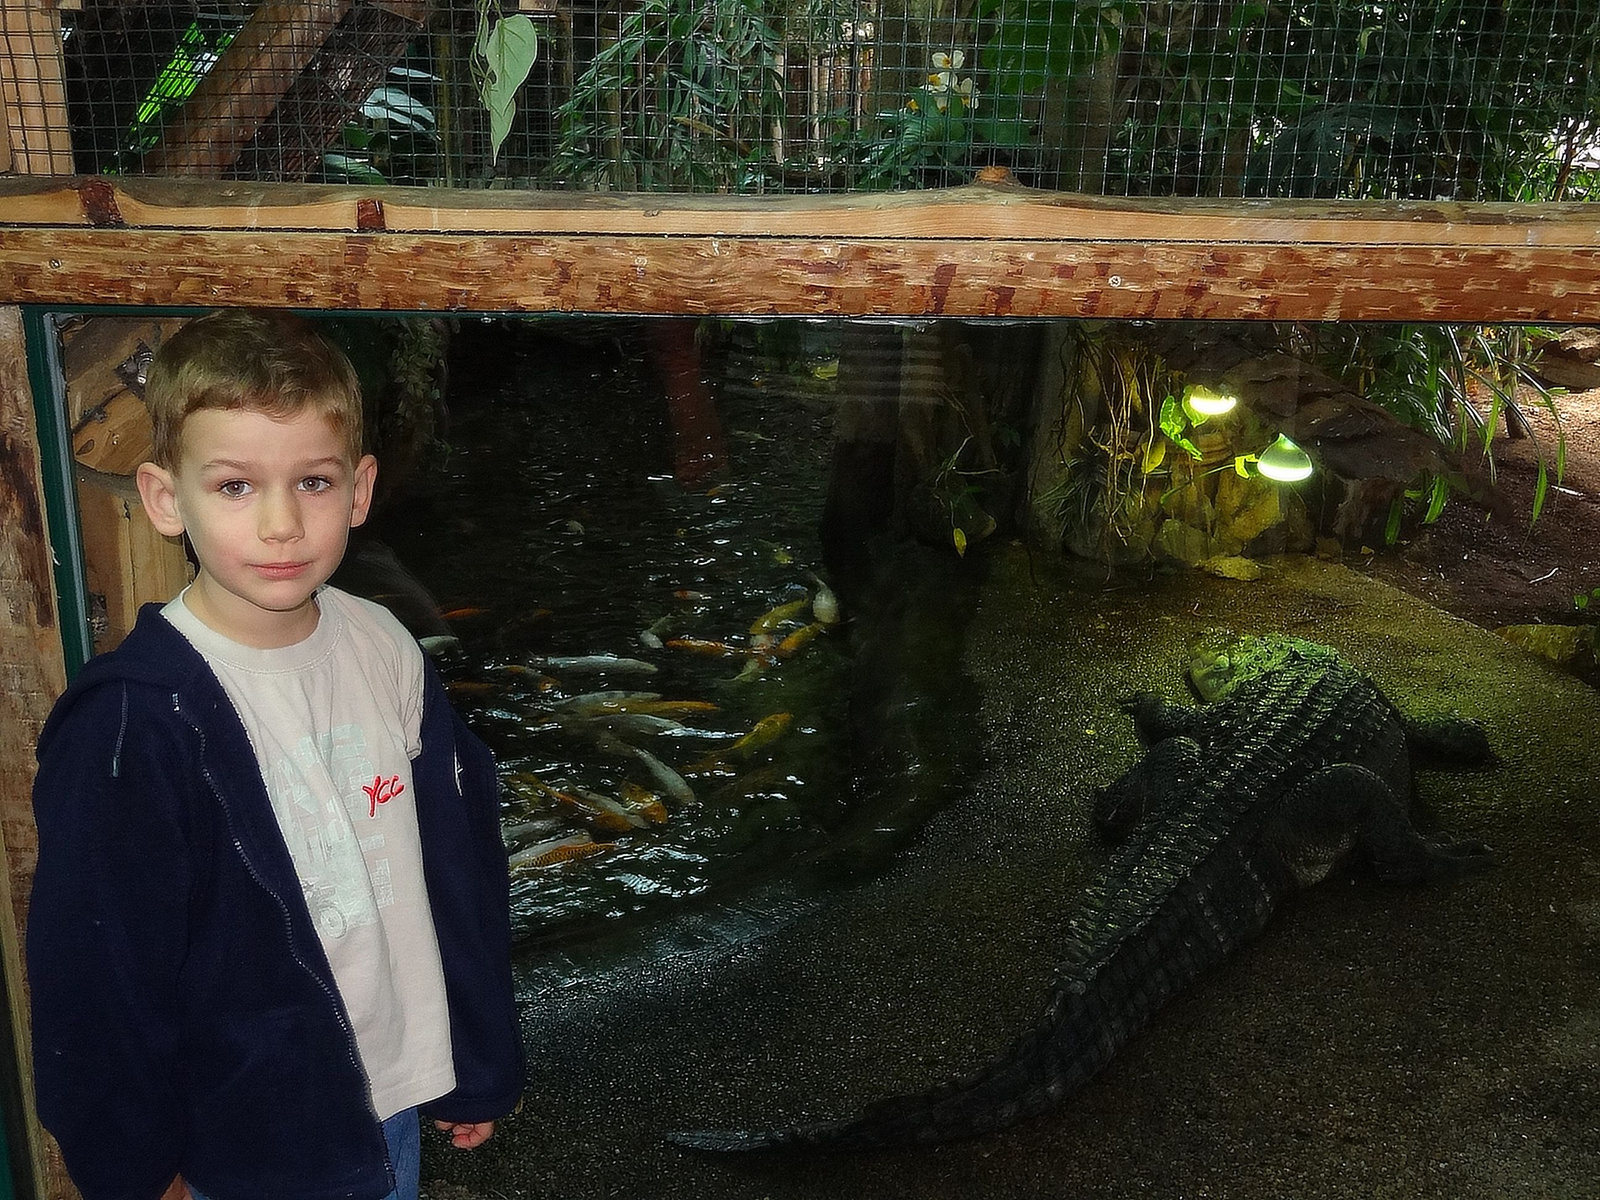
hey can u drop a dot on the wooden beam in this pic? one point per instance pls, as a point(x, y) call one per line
point(34, 675)
point(985, 250)
point(33, 90)
point(243, 88)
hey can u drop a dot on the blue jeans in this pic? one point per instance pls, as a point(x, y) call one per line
point(403, 1132)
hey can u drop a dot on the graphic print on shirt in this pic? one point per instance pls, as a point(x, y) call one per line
point(328, 796)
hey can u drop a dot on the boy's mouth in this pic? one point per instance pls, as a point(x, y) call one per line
point(280, 570)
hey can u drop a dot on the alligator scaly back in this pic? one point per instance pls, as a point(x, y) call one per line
point(1297, 761)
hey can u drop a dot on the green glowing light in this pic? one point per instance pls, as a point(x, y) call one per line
point(1284, 462)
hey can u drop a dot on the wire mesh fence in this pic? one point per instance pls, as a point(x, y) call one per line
point(1418, 99)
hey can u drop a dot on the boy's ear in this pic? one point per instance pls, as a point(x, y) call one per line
point(159, 491)
point(366, 476)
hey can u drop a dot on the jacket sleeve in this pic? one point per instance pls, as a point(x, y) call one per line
point(464, 860)
point(107, 932)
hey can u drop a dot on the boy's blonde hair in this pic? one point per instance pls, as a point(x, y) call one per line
point(252, 359)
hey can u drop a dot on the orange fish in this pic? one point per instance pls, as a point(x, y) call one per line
point(461, 614)
point(470, 687)
point(558, 850)
point(798, 639)
point(643, 801)
point(610, 817)
point(659, 708)
point(702, 646)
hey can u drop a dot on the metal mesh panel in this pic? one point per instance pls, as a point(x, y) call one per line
point(1447, 99)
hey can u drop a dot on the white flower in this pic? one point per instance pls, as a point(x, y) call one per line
point(942, 81)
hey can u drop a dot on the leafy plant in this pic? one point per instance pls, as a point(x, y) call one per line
point(685, 98)
point(1456, 382)
point(395, 140)
point(502, 56)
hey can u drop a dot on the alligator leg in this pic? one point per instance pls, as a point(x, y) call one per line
point(1155, 719)
point(1347, 805)
point(1163, 774)
point(1453, 740)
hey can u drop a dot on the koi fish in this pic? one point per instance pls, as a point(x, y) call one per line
point(774, 617)
point(470, 687)
point(609, 816)
point(671, 708)
point(599, 662)
point(463, 613)
point(522, 831)
point(541, 681)
point(824, 604)
point(709, 648)
point(642, 801)
point(612, 701)
point(798, 638)
point(558, 850)
point(763, 733)
point(607, 805)
point(631, 724)
point(672, 783)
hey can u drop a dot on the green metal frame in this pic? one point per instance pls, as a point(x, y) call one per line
point(60, 496)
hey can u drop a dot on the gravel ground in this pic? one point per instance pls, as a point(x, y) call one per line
point(1436, 1042)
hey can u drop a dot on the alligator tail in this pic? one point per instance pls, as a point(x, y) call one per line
point(1092, 1012)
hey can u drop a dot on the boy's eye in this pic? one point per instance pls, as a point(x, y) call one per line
point(316, 483)
point(233, 488)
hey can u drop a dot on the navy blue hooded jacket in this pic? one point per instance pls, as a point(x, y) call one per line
point(185, 1019)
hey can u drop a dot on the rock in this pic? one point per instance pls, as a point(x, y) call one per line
point(1246, 508)
point(1183, 542)
point(1232, 566)
point(1567, 645)
point(1561, 370)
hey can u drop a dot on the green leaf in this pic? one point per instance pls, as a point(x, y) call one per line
point(1173, 424)
point(1438, 493)
point(506, 50)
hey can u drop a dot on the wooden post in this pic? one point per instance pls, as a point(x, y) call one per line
point(244, 87)
point(32, 676)
point(33, 90)
point(127, 562)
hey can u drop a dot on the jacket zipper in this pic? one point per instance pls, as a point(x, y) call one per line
point(288, 929)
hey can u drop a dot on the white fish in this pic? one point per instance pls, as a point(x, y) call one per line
point(824, 604)
point(599, 662)
point(524, 830)
point(593, 702)
point(609, 805)
point(671, 782)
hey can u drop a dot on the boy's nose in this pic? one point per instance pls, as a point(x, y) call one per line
point(280, 519)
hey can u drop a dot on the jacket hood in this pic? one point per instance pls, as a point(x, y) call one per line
point(158, 657)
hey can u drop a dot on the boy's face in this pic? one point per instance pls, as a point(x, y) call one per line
point(268, 505)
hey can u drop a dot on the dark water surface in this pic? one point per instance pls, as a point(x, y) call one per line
point(590, 590)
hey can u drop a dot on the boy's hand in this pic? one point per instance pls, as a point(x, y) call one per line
point(464, 1135)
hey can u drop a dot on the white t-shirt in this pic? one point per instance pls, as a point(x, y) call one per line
point(335, 721)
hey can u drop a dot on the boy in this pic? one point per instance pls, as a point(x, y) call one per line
point(270, 918)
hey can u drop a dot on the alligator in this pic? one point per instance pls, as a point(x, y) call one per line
point(1294, 764)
